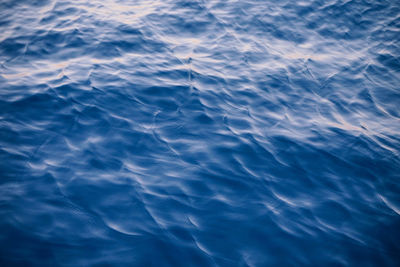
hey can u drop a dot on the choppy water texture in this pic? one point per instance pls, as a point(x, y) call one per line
point(199, 133)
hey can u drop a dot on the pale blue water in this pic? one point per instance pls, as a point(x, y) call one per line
point(199, 133)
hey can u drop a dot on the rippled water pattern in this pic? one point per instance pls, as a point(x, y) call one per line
point(199, 133)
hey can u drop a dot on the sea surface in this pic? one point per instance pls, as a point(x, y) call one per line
point(199, 133)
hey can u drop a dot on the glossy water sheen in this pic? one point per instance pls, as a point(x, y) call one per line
point(199, 133)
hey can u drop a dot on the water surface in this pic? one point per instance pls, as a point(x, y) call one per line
point(199, 133)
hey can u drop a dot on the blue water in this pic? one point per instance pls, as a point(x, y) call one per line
point(199, 133)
